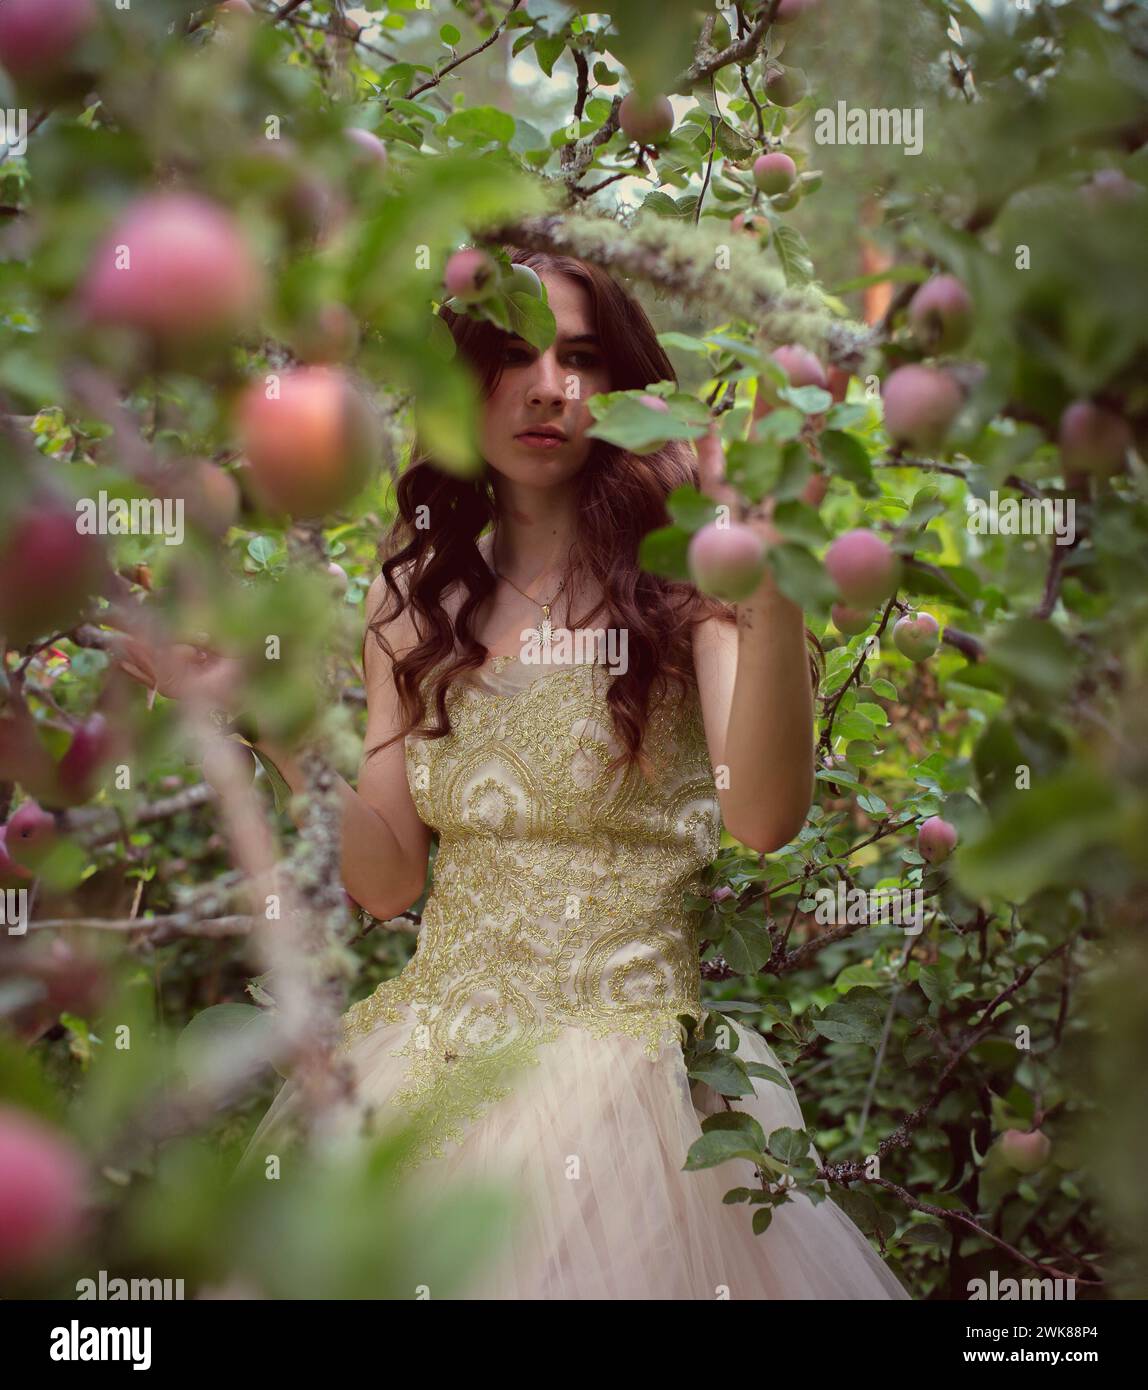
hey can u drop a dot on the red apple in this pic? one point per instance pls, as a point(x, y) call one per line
point(48, 570)
point(471, 275)
point(648, 123)
point(850, 621)
point(773, 173)
point(42, 1191)
point(727, 561)
point(39, 37)
point(1093, 440)
point(936, 840)
point(941, 314)
point(12, 875)
point(863, 567)
point(921, 404)
point(753, 223)
point(1025, 1152)
point(177, 267)
point(917, 637)
point(311, 447)
point(31, 832)
point(87, 754)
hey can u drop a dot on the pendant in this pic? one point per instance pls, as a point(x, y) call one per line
point(544, 628)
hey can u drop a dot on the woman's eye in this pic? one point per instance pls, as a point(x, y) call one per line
point(586, 360)
point(517, 355)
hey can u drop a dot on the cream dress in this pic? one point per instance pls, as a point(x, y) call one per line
point(534, 1034)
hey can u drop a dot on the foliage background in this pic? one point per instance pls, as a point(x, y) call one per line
point(903, 1047)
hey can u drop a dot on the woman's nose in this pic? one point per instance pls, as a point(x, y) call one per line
point(546, 386)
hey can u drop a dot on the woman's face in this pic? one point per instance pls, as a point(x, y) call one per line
point(535, 420)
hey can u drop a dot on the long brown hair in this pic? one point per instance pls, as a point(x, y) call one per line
point(620, 498)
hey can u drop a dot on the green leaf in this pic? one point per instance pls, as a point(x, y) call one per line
point(788, 1145)
point(664, 552)
point(479, 125)
point(1035, 655)
point(632, 426)
point(449, 35)
point(724, 1073)
point(858, 1018)
point(810, 400)
point(801, 577)
point(531, 319)
point(793, 253)
point(548, 51)
point(846, 456)
point(746, 946)
point(690, 509)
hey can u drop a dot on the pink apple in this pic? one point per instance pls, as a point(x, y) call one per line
point(311, 446)
point(471, 275)
point(42, 1191)
point(850, 621)
point(773, 173)
point(48, 569)
point(1025, 1152)
point(727, 561)
point(1093, 440)
point(177, 267)
point(863, 567)
point(921, 404)
point(936, 840)
point(38, 37)
point(941, 314)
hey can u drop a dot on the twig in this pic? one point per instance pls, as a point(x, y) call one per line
point(464, 57)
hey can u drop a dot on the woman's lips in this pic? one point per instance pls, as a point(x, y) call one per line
point(539, 441)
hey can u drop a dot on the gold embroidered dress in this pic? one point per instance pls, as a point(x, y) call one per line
point(534, 1033)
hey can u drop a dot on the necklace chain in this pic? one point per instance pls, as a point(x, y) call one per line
point(545, 627)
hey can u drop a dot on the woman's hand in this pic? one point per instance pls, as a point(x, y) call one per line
point(712, 481)
point(179, 670)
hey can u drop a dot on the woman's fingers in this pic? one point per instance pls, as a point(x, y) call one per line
point(711, 468)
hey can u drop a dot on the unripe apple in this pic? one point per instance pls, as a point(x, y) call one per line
point(921, 404)
point(850, 621)
point(1093, 440)
point(48, 570)
point(227, 759)
point(727, 561)
point(648, 123)
point(802, 368)
point(773, 173)
point(786, 86)
point(1025, 1152)
point(31, 834)
point(523, 280)
point(331, 334)
point(310, 448)
point(941, 314)
point(863, 567)
point(471, 275)
point(176, 266)
point(936, 840)
point(42, 1191)
point(39, 37)
point(79, 769)
point(917, 637)
point(369, 148)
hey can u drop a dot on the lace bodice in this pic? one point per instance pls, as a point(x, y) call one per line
point(558, 887)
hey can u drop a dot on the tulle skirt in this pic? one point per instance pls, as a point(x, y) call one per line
point(591, 1140)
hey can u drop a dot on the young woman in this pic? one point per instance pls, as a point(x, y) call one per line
point(535, 1033)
